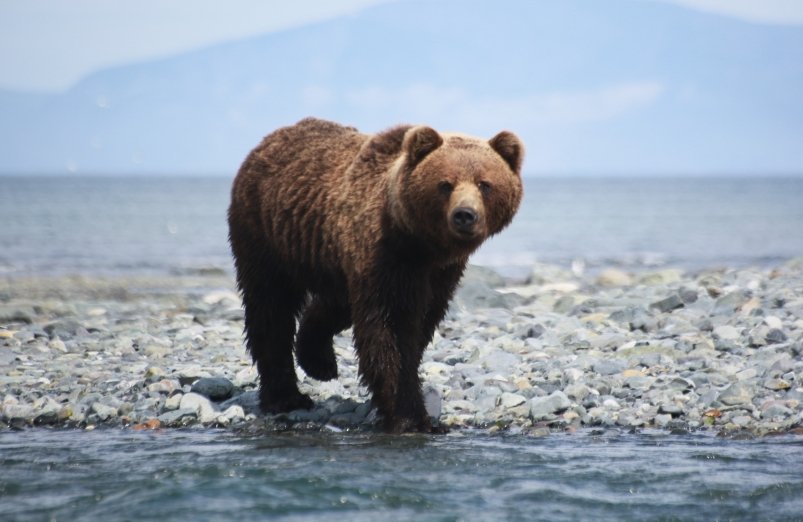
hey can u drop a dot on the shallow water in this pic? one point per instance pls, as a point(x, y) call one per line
point(215, 475)
point(168, 224)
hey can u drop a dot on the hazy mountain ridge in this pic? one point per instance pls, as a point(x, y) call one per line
point(611, 86)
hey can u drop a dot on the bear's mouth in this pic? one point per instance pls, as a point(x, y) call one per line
point(467, 237)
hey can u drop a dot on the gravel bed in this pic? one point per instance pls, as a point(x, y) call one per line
point(715, 350)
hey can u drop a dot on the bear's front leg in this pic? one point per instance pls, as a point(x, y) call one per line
point(388, 332)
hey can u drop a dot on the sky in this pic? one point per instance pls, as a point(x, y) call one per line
point(48, 45)
point(602, 87)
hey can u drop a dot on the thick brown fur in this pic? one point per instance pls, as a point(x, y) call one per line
point(338, 228)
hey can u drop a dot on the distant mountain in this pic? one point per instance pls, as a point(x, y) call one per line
point(593, 86)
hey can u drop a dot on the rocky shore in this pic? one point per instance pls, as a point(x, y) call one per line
point(715, 350)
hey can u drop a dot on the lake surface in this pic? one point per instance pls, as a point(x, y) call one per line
point(169, 224)
point(214, 475)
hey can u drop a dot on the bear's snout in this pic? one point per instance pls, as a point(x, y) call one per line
point(464, 219)
point(465, 214)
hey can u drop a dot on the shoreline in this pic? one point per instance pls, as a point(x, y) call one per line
point(717, 351)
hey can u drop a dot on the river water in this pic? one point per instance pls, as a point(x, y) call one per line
point(214, 475)
point(171, 225)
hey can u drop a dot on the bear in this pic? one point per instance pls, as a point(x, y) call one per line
point(333, 228)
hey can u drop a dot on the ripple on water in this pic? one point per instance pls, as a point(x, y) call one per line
point(205, 475)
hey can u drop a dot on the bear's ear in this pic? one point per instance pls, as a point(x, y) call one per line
point(508, 145)
point(419, 142)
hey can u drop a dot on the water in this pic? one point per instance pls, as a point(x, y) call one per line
point(174, 224)
point(211, 475)
point(177, 225)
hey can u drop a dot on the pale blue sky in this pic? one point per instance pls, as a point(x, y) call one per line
point(594, 87)
point(48, 45)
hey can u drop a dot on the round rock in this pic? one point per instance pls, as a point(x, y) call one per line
point(214, 388)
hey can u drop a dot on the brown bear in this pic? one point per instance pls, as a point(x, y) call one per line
point(338, 228)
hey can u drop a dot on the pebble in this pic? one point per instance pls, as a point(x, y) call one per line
point(716, 350)
point(202, 407)
point(737, 393)
point(668, 304)
point(545, 407)
point(727, 332)
point(214, 388)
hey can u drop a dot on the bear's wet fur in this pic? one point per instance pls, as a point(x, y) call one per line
point(335, 228)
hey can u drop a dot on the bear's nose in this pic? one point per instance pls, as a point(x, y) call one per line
point(464, 219)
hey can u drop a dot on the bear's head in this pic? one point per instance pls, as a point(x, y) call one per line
point(454, 191)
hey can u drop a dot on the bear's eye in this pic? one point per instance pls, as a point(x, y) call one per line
point(445, 187)
point(485, 187)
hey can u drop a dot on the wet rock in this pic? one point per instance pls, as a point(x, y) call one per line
point(546, 407)
point(213, 388)
point(432, 401)
point(248, 401)
point(103, 411)
point(203, 408)
point(179, 417)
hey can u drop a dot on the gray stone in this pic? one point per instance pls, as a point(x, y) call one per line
point(432, 401)
point(535, 331)
point(214, 388)
point(544, 407)
point(688, 295)
point(663, 420)
point(577, 391)
point(233, 413)
point(777, 384)
point(64, 329)
point(18, 412)
point(178, 417)
point(776, 410)
point(728, 303)
point(510, 400)
point(473, 295)
point(727, 332)
point(736, 393)
point(483, 274)
point(249, 401)
point(608, 366)
point(639, 382)
point(564, 304)
point(103, 411)
point(742, 420)
point(775, 336)
point(16, 314)
point(668, 304)
point(318, 415)
point(670, 408)
point(173, 402)
point(201, 405)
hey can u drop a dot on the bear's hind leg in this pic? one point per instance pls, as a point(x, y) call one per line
point(322, 319)
point(271, 305)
